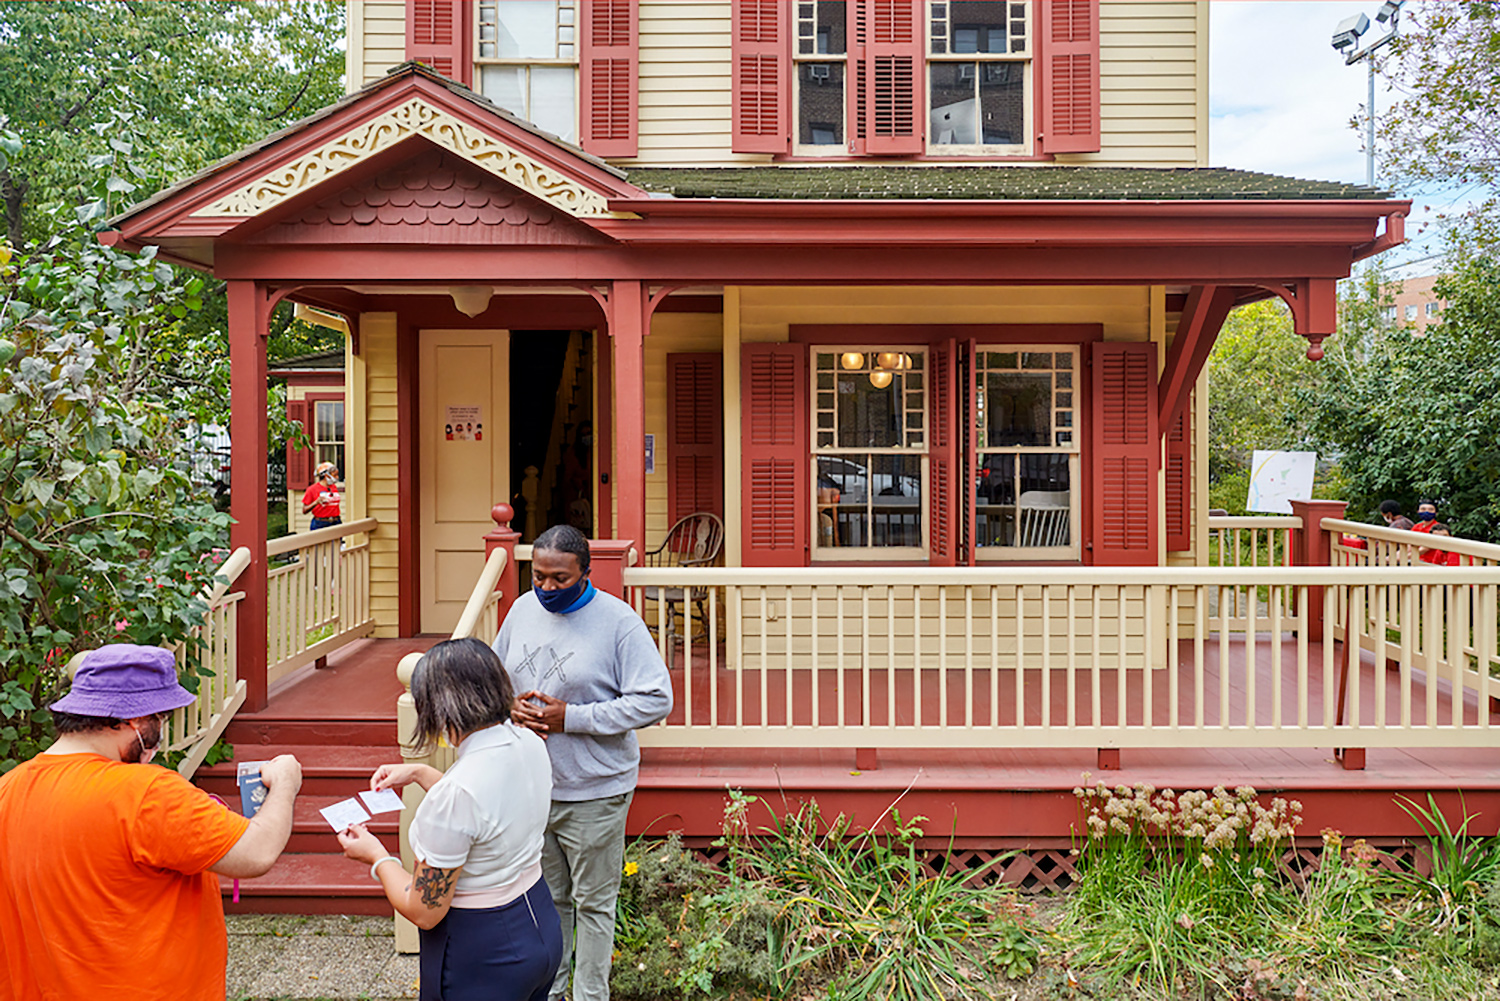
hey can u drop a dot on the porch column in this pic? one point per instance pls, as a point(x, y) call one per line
point(249, 314)
point(1311, 547)
point(627, 329)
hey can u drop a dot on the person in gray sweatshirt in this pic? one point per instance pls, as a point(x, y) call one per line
point(590, 675)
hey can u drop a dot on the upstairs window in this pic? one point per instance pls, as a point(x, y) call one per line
point(527, 61)
point(328, 432)
point(979, 68)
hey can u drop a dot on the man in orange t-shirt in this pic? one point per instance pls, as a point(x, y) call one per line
point(107, 874)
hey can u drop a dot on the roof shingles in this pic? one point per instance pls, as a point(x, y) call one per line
point(991, 183)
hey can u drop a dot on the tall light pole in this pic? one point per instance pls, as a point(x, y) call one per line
point(1346, 36)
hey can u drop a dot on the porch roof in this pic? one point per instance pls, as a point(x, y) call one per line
point(993, 183)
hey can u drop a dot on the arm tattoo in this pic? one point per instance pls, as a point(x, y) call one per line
point(434, 885)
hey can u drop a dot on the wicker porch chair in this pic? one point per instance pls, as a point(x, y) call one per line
point(696, 540)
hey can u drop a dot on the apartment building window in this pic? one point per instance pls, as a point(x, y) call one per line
point(527, 61)
point(1411, 311)
point(1389, 312)
point(1432, 310)
point(979, 64)
point(870, 451)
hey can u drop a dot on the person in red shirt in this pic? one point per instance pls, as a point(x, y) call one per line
point(1439, 557)
point(109, 874)
point(321, 499)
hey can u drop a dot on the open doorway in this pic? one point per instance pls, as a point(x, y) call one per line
point(551, 421)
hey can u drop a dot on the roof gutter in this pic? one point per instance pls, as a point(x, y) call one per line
point(1394, 236)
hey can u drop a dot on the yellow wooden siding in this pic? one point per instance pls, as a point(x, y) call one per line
point(376, 40)
point(671, 333)
point(1153, 84)
point(766, 312)
point(382, 463)
point(1153, 79)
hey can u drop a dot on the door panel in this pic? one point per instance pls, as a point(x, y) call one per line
point(465, 380)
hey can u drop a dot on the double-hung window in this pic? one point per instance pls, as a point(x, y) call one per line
point(978, 73)
point(1026, 447)
point(328, 431)
point(870, 452)
point(527, 61)
point(820, 60)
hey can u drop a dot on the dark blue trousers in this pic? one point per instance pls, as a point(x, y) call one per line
point(508, 953)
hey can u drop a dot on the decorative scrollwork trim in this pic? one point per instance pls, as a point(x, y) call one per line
point(415, 117)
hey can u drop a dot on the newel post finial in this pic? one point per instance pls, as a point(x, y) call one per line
point(504, 537)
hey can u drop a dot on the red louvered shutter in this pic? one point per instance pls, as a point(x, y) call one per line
point(1069, 73)
point(942, 455)
point(299, 461)
point(438, 34)
point(1179, 485)
point(889, 56)
point(774, 420)
point(607, 74)
point(695, 434)
point(761, 76)
point(1126, 450)
point(968, 410)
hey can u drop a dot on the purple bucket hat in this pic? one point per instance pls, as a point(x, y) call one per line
point(125, 681)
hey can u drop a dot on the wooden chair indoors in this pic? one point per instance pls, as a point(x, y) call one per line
point(696, 540)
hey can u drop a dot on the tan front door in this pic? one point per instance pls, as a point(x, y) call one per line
point(465, 462)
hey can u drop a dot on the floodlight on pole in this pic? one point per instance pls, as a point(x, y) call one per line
point(1346, 41)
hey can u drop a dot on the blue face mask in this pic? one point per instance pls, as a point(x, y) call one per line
point(1427, 516)
point(563, 598)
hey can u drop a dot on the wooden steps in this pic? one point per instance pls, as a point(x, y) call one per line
point(312, 876)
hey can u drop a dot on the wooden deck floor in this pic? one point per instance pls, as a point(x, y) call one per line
point(999, 794)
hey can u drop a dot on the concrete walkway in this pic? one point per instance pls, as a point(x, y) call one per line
point(280, 956)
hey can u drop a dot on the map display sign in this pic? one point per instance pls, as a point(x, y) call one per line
point(1278, 478)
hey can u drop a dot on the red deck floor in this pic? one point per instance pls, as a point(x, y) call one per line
point(997, 793)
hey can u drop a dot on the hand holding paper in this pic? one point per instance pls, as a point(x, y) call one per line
point(344, 814)
point(383, 801)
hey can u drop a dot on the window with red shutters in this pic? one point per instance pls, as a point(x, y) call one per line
point(695, 434)
point(774, 453)
point(1179, 484)
point(299, 461)
point(437, 33)
point(1069, 71)
point(1126, 450)
point(760, 69)
point(607, 77)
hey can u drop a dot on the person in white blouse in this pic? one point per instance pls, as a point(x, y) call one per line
point(488, 925)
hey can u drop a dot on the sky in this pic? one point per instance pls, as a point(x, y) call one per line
point(1281, 99)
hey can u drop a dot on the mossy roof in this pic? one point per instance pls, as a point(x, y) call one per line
point(991, 183)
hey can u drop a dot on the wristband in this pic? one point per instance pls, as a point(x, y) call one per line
point(379, 863)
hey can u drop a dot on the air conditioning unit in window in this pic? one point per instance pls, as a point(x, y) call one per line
point(819, 72)
point(966, 71)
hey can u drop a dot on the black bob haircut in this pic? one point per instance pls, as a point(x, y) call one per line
point(459, 686)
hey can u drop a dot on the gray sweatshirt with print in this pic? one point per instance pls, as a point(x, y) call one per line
point(603, 663)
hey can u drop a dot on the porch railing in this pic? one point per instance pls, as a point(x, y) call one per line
point(1030, 657)
point(197, 727)
point(319, 601)
point(1441, 624)
point(1250, 541)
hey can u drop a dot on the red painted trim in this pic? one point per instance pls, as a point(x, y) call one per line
point(954, 159)
point(408, 496)
point(608, 67)
point(173, 208)
point(628, 320)
point(1124, 454)
point(305, 460)
point(898, 333)
point(776, 460)
point(447, 43)
point(760, 74)
point(1197, 329)
point(249, 317)
point(604, 430)
point(1067, 76)
point(307, 376)
point(695, 438)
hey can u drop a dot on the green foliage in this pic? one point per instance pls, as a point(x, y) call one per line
point(101, 532)
point(198, 80)
point(857, 916)
point(1463, 867)
point(1414, 416)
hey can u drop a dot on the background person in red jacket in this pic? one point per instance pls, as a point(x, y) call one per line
point(1426, 516)
point(322, 498)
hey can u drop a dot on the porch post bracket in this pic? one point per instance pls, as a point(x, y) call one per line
point(1202, 316)
point(1314, 306)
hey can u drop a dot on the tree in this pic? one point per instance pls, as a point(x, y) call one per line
point(1256, 366)
point(1412, 414)
point(197, 80)
point(1444, 129)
